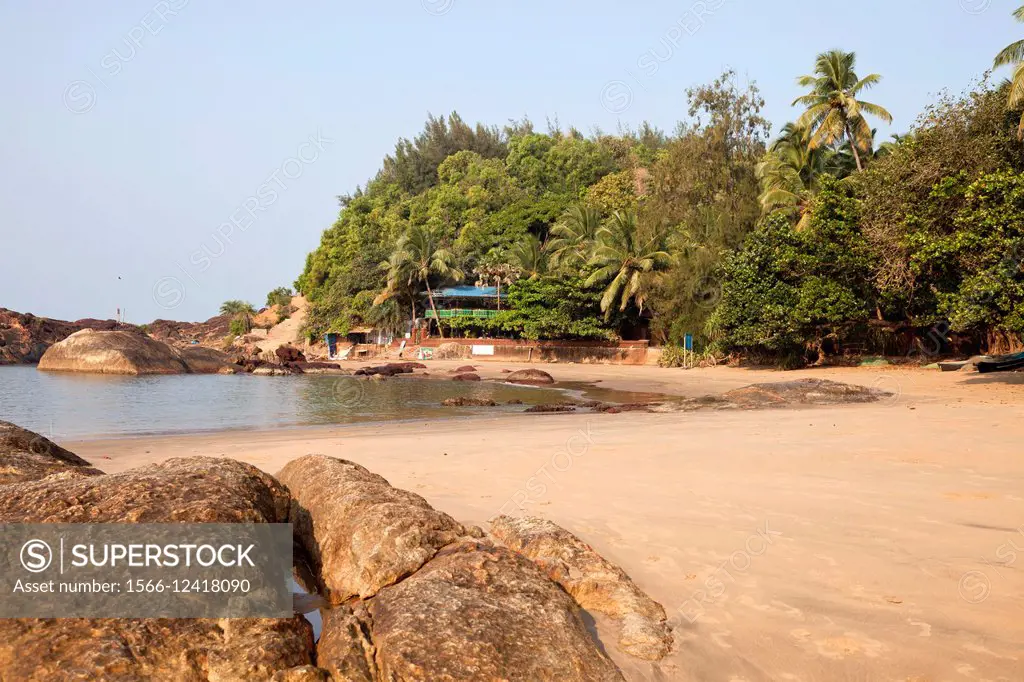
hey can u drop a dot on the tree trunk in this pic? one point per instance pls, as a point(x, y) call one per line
point(853, 146)
point(437, 318)
point(499, 294)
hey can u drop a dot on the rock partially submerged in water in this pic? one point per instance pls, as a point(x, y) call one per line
point(192, 490)
point(27, 456)
point(466, 377)
point(475, 612)
point(550, 408)
point(594, 582)
point(126, 352)
point(468, 402)
point(529, 377)
point(360, 533)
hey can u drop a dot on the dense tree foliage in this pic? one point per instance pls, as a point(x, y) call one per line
point(821, 241)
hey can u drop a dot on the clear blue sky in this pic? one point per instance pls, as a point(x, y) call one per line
point(133, 131)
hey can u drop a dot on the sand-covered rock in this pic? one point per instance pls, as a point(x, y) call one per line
point(113, 352)
point(185, 650)
point(594, 582)
point(480, 612)
point(361, 534)
point(529, 377)
point(27, 456)
point(192, 490)
point(801, 392)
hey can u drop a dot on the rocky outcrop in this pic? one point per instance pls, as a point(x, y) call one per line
point(24, 337)
point(360, 533)
point(192, 490)
point(120, 352)
point(27, 456)
point(475, 612)
point(529, 377)
point(186, 334)
point(595, 583)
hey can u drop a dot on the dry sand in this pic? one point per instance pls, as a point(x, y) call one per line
point(863, 542)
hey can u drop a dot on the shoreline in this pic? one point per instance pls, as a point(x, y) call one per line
point(793, 543)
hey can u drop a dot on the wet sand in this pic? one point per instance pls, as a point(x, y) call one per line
point(860, 542)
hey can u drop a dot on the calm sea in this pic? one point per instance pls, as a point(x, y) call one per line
point(86, 405)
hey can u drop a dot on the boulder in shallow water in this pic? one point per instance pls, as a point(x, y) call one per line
point(122, 352)
point(466, 377)
point(27, 456)
point(480, 612)
point(530, 377)
point(594, 582)
point(468, 402)
point(360, 533)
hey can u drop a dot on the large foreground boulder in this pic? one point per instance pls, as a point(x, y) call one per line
point(27, 456)
point(594, 582)
point(473, 612)
point(360, 533)
point(530, 377)
point(196, 490)
point(192, 490)
point(113, 352)
point(185, 650)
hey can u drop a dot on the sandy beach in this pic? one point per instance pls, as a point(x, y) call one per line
point(859, 542)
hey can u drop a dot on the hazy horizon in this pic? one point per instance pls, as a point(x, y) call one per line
point(140, 134)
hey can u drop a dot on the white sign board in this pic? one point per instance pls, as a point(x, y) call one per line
point(483, 350)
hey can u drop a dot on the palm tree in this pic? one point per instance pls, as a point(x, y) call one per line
point(573, 237)
point(241, 311)
point(789, 173)
point(417, 257)
point(1014, 54)
point(625, 261)
point(530, 256)
point(833, 112)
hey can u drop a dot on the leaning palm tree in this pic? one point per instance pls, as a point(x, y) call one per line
point(417, 258)
point(573, 237)
point(833, 112)
point(241, 311)
point(1014, 54)
point(529, 255)
point(629, 264)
